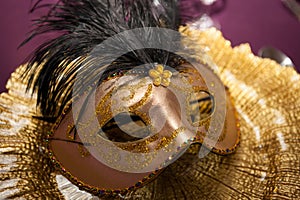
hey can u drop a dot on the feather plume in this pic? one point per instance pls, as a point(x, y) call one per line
point(84, 24)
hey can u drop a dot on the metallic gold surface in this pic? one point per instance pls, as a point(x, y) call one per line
point(25, 170)
point(265, 166)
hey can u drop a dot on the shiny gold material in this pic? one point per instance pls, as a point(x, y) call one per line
point(25, 170)
point(265, 166)
point(160, 76)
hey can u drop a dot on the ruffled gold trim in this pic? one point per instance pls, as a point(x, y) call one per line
point(25, 170)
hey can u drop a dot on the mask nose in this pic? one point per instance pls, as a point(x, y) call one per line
point(164, 110)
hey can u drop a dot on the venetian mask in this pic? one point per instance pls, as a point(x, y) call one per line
point(118, 124)
point(137, 123)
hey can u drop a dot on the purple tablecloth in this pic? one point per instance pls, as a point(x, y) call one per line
point(256, 22)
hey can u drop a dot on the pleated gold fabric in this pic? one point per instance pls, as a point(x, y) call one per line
point(25, 170)
point(266, 165)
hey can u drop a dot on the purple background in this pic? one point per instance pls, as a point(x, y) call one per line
point(258, 22)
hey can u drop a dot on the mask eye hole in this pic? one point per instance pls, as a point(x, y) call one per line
point(201, 106)
point(125, 127)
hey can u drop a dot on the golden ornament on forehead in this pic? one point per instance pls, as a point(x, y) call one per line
point(160, 76)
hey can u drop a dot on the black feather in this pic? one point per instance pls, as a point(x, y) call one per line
point(83, 25)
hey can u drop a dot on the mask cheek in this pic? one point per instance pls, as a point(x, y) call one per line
point(228, 138)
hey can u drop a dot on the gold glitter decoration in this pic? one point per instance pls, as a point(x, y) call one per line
point(83, 151)
point(142, 146)
point(104, 107)
point(160, 76)
point(265, 166)
point(69, 132)
point(143, 101)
